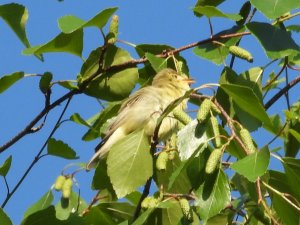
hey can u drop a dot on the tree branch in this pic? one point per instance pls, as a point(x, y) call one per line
point(282, 92)
point(37, 157)
point(118, 67)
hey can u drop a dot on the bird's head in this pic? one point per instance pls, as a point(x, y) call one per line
point(169, 77)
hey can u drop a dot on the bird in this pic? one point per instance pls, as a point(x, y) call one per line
point(143, 108)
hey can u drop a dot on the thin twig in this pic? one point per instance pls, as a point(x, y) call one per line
point(282, 92)
point(37, 157)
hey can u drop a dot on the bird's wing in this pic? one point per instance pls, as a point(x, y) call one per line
point(145, 99)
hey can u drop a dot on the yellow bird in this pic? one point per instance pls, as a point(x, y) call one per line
point(143, 108)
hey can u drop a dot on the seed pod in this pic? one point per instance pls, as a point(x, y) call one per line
point(185, 207)
point(173, 141)
point(113, 30)
point(182, 116)
point(241, 53)
point(162, 159)
point(215, 109)
point(149, 202)
point(203, 111)
point(67, 188)
point(214, 126)
point(59, 182)
point(247, 140)
point(213, 160)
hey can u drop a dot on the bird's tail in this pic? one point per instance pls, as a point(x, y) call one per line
point(104, 147)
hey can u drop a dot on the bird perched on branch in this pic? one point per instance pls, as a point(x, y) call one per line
point(143, 108)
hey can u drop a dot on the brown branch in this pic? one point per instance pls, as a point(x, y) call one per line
point(118, 67)
point(28, 128)
point(37, 157)
point(282, 92)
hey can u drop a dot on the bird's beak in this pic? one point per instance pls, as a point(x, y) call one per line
point(189, 81)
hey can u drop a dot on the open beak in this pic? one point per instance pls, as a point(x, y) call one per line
point(189, 81)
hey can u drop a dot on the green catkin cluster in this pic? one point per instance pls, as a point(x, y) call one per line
point(185, 207)
point(247, 140)
point(67, 188)
point(149, 202)
point(182, 116)
point(204, 110)
point(213, 160)
point(241, 53)
point(64, 184)
point(162, 160)
point(60, 180)
point(113, 30)
point(214, 126)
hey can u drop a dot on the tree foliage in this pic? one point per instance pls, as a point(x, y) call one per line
point(211, 170)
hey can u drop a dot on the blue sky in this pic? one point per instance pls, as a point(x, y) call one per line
point(156, 21)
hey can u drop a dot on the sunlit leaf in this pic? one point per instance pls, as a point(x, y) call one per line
point(69, 23)
point(8, 80)
point(211, 11)
point(16, 16)
point(190, 138)
point(66, 207)
point(276, 42)
point(110, 86)
point(157, 63)
point(129, 163)
point(245, 98)
point(217, 53)
point(70, 43)
point(275, 8)
point(43, 203)
point(60, 149)
point(254, 165)
point(213, 195)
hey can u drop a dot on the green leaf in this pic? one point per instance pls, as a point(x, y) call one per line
point(288, 214)
point(211, 11)
point(5, 220)
point(45, 82)
point(275, 8)
point(190, 138)
point(66, 207)
point(79, 120)
point(157, 63)
point(276, 42)
point(70, 43)
point(292, 169)
point(177, 183)
point(245, 98)
point(220, 219)
point(47, 217)
point(129, 163)
point(43, 203)
point(295, 28)
point(254, 165)
point(111, 213)
point(110, 86)
point(4, 168)
point(16, 16)
point(295, 134)
point(207, 3)
point(60, 149)
point(69, 23)
point(217, 53)
point(213, 195)
point(143, 217)
point(8, 80)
